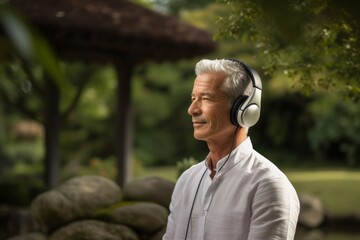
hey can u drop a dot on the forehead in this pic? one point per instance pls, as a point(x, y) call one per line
point(209, 82)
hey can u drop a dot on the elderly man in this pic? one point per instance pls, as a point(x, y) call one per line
point(235, 193)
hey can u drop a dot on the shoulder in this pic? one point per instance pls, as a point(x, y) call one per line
point(263, 169)
point(267, 176)
point(271, 181)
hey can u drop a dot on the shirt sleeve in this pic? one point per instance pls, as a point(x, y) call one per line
point(170, 228)
point(275, 211)
point(173, 218)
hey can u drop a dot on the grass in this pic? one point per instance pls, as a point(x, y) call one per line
point(338, 189)
point(303, 234)
point(169, 173)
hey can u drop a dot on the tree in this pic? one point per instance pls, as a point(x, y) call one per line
point(313, 42)
point(34, 81)
point(174, 7)
point(294, 128)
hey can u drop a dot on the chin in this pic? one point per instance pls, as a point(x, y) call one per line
point(199, 137)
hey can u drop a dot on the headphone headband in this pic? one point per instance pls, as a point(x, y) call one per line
point(254, 76)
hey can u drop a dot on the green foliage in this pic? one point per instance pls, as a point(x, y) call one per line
point(174, 7)
point(20, 189)
point(28, 61)
point(143, 3)
point(27, 43)
point(183, 165)
point(281, 133)
point(17, 89)
point(291, 129)
point(20, 164)
point(89, 129)
point(161, 94)
point(20, 175)
point(315, 42)
point(336, 129)
point(28, 154)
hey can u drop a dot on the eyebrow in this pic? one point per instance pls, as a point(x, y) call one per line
point(203, 94)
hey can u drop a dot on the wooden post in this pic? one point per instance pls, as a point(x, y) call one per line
point(124, 68)
point(52, 134)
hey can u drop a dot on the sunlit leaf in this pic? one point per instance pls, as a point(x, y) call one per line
point(30, 45)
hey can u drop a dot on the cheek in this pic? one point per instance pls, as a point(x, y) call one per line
point(221, 118)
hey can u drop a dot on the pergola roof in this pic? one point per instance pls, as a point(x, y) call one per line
point(98, 29)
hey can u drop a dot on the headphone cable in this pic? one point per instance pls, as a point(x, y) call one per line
point(193, 203)
point(198, 186)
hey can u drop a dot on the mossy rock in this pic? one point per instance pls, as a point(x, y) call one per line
point(144, 217)
point(94, 230)
point(77, 198)
point(30, 236)
point(150, 189)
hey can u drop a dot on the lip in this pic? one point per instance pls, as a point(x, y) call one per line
point(198, 123)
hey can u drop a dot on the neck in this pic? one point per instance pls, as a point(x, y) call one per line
point(221, 149)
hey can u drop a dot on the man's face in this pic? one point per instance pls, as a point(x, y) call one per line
point(210, 109)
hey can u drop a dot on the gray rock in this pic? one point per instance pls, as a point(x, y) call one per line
point(312, 211)
point(94, 230)
point(159, 235)
point(150, 189)
point(30, 236)
point(77, 198)
point(143, 217)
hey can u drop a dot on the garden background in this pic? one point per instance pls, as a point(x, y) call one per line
point(310, 119)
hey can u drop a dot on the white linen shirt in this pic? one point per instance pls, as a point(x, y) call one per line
point(249, 198)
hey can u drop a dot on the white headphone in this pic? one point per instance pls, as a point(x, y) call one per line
point(245, 111)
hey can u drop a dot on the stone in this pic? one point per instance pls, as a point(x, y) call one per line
point(30, 236)
point(144, 217)
point(312, 211)
point(150, 189)
point(77, 198)
point(94, 230)
point(159, 235)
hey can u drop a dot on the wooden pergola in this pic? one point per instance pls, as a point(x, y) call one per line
point(116, 31)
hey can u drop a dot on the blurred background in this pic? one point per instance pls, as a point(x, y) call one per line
point(306, 52)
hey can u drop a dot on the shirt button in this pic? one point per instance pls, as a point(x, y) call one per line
point(204, 213)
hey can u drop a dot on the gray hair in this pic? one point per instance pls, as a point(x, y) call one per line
point(237, 81)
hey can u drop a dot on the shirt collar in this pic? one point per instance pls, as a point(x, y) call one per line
point(237, 155)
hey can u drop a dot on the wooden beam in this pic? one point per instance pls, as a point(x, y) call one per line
point(124, 68)
point(52, 134)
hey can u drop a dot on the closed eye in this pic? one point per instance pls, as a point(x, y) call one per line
point(207, 99)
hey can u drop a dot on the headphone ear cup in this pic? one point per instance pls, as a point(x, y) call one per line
point(236, 108)
point(249, 111)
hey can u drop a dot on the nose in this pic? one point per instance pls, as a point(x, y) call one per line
point(194, 108)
